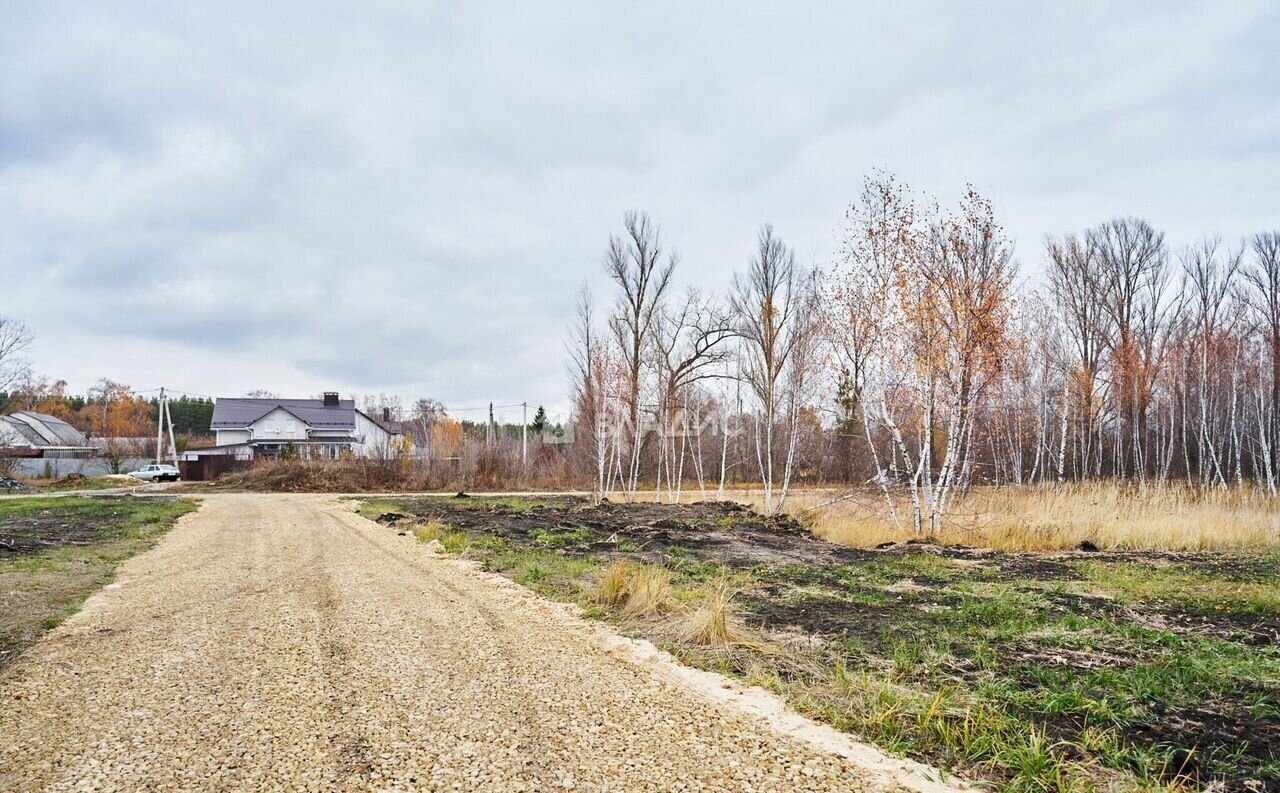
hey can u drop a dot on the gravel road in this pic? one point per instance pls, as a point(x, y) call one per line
point(277, 642)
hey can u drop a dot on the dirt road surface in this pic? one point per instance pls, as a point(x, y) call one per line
point(283, 643)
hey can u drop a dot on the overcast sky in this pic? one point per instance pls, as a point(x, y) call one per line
point(400, 200)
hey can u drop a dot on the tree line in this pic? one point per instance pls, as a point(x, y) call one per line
point(109, 409)
point(920, 363)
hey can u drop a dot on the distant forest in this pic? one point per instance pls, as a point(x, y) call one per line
point(191, 415)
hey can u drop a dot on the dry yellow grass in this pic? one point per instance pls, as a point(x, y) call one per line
point(638, 590)
point(431, 530)
point(1110, 515)
point(611, 589)
point(711, 623)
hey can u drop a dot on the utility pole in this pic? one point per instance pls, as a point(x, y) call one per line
point(489, 431)
point(173, 442)
point(524, 433)
point(160, 426)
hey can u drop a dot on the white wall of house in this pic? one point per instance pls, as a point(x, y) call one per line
point(238, 452)
point(279, 425)
point(229, 437)
point(371, 439)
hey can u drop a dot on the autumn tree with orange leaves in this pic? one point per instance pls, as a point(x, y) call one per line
point(41, 395)
point(881, 240)
point(928, 299)
point(121, 420)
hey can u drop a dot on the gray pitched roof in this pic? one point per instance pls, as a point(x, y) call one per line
point(40, 429)
point(235, 413)
point(15, 432)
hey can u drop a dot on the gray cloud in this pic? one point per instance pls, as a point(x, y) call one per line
point(404, 200)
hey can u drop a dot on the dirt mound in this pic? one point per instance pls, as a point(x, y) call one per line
point(297, 476)
point(391, 476)
point(716, 532)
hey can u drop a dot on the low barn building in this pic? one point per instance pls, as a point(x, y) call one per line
point(267, 428)
point(24, 433)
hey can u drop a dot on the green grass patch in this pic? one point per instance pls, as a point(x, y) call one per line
point(376, 508)
point(1180, 585)
point(513, 504)
point(125, 514)
point(722, 522)
point(450, 539)
point(577, 538)
point(90, 537)
point(552, 574)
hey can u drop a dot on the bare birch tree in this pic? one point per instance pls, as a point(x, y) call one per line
point(1077, 286)
point(1133, 261)
point(15, 338)
point(1262, 293)
point(770, 300)
point(880, 241)
point(1209, 272)
point(689, 346)
point(641, 268)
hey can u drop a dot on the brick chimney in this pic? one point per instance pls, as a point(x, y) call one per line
point(331, 399)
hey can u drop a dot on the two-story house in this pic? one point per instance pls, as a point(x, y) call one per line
point(329, 428)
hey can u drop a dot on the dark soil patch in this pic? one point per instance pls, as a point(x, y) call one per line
point(711, 532)
point(1244, 568)
point(1242, 628)
point(46, 529)
point(1207, 743)
point(832, 618)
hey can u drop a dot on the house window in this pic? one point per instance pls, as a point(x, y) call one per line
point(291, 425)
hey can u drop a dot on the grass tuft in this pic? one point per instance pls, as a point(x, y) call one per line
point(451, 540)
point(710, 624)
point(635, 589)
point(612, 588)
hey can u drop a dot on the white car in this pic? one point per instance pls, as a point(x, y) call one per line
point(157, 473)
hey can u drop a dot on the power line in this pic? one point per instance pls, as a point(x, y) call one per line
point(448, 409)
point(171, 391)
